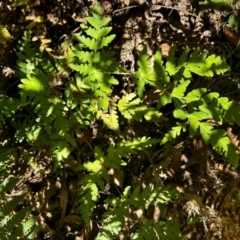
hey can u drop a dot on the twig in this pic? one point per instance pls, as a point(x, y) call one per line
point(153, 6)
point(125, 8)
point(174, 8)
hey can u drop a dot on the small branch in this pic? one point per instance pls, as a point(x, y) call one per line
point(156, 6)
point(118, 10)
point(174, 8)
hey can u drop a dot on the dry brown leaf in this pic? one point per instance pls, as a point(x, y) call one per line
point(41, 198)
point(72, 164)
point(118, 176)
point(165, 47)
point(156, 213)
point(73, 186)
point(63, 196)
point(88, 231)
point(231, 35)
point(44, 226)
point(136, 182)
point(73, 219)
point(151, 97)
point(234, 138)
point(178, 160)
point(85, 136)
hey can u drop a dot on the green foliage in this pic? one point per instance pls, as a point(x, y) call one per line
point(95, 66)
point(135, 110)
point(5, 36)
point(220, 5)
point(233, 21)
point(52, 114)
point(168, 230)
point(98, 171)
point(123, 209)
point(15, 224)
point(194, 108)
point(28, 55)
point(51, 111)
point(8, 107)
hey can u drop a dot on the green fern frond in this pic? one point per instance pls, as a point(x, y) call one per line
point(60, 150)
point(94, 44)
point(231, 111)
point(206, 66)
point(33, 87)
point(125, 148)
point(173, 133)
point(110, 120)
point(15, 225)
point(160, 70)
point(8, 107)
point(98, 170)
point(121, 208)
point(223, 145)
point(87, 200)
point(134, 110)
point(94, 65)
point(159, 74)
point(28, 55)
point(198, 63)
point(145, 73)
point(97, 21)
point(167, 230)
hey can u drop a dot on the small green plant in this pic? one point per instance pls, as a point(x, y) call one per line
point(15, 224)
point(51, 111)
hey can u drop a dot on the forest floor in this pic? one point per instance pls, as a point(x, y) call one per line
point(203, 175)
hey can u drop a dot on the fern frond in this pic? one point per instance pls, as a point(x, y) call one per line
point(94, 44)
point(97, 21)
point(88, 195)
point(8, 107)
point(198, 63)
point(206, 66)
point(15, 225)
point(145, 73)
point(167, 230)
point(173, 133)
point(161, 73)
point(125, 148)
point(28, 55)
point(231, 111)
point(60, 150)
point(34, 86)
point(223, 145)
point(121, 208)
point(110, 120)
point(134, 110)
point(94, 65)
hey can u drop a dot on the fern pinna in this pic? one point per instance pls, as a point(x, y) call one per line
point(53, 116)
point(15, 224)
point(194, 108)
point(124, 206)
point(97, 171)
point(95, 65)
